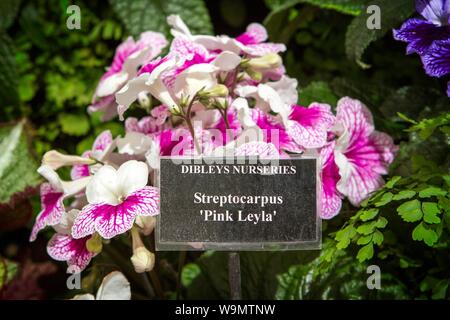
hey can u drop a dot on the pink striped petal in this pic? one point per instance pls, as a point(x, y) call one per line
point(362, 154)
point(111, 220)
point(257, 148)
point(63, 247)
point(262, 49)
point(102, 141)
point(331, 199)
point(52, 209)
point(81, 170)
point(309, 126)
point(254, 34)
point(385, 146)
point(355, 116)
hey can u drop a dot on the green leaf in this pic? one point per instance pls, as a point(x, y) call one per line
point(190, 272)
point(430, 212)
point(317, 91)
point(9, 95)
point(377, 238)
point(150, 15)
point(404, 194)
point(8, 270)
point(432, 192)
point(365, 253)
point(259, 274)
point(369, 214)
point(426, 127)
point(74, 124)
point(440, 289)
point(366, 228)
point(17, 165)
point(381, 223)
point(391, 183)
point(423, 233)
point(351, 7)
point(385, 199)
point(344, 236)
point(359, 37)
point(410, 211)
point(8, 12)
point(364, 240)
point(344, 279)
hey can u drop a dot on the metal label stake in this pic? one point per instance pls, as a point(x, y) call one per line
point(234, 275)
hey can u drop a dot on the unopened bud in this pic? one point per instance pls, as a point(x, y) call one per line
point(56, 160)
point(266, 62)
point(255, 75)
point(94, 244)
point(175, 110)
point(219, 90)
point(146, 223)
point(144, 100)
point(142, 260)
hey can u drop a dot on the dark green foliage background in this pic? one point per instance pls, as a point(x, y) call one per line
point(48, 74)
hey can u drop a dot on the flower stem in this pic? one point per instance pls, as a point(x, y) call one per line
point(181, 261)
point(187, 117)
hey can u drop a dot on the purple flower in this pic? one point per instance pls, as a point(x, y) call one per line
point(437, 60)
point(420, 34)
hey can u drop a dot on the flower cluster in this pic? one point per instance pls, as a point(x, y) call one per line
point(429, 36)
point(209, 95)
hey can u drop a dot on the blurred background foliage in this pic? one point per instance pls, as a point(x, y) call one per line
point(48, 74)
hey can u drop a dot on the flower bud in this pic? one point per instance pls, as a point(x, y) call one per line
point(142, 260)
point(144, 100)
point(94, 244)
point(219, 90)
point(266, 62)
point(56, 160)
point(255, 75)
point(175, 110)
point(146, 223)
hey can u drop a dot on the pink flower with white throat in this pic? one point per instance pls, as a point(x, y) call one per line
point(361, 154)
point(116, 198)
point(128, 57)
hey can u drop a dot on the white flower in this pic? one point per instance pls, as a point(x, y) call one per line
point(114, 287)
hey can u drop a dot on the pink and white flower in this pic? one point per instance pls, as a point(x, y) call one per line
point(276, 97)
point(361, 154)
point(116, 198)
point(101, 147)
point(309, 127)
point(177, 77)
point(128, 57)
point(252, 42)
point(150, 124)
